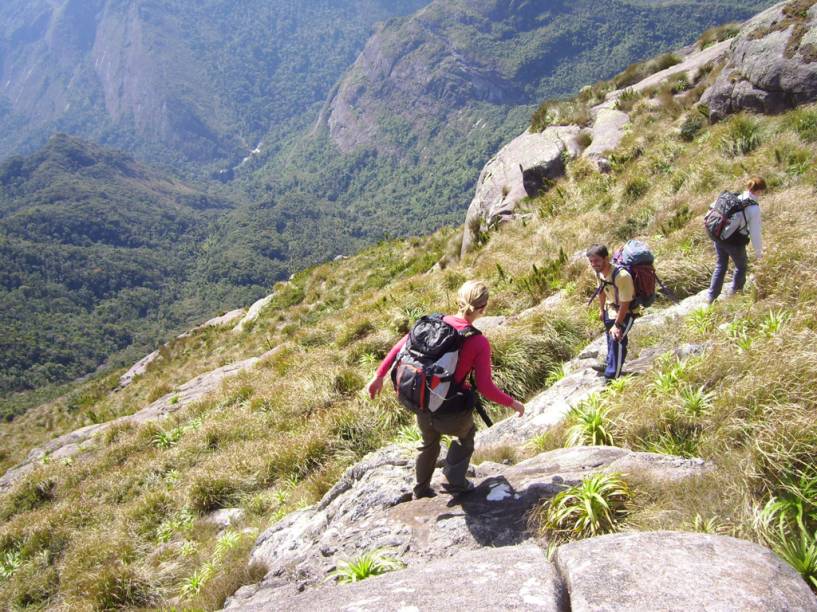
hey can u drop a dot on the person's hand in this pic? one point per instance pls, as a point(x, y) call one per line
point(375, 386)
point(519, 407)
point(601, 316)
point(617, 333)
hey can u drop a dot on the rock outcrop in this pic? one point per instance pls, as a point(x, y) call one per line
point(521, 168)
point(550, 407)
point(629, 571)
point(678, 571)
point(253, 313)
point(772, 65)
point(137, 369)
point(371, 508)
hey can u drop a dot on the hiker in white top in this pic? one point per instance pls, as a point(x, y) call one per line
point(734, 248)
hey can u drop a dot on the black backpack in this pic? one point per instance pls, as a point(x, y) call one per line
point(726, 218)
point(423, 373)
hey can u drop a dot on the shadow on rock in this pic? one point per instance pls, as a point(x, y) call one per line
point(496, 514)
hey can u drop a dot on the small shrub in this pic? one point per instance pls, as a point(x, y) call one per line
point(696, 401)
point(118, 586)
point(28, 495)
point(804, 122)
point(692, 125)
point(355, 331)
point(701, 321)
point(718, 34)
point(373, 563)
point(348, 382)
point(627, 99)
point(773, 322)
point(635, 188)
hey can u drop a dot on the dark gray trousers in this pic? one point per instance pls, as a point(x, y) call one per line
point(725, 252)
point(433, 426)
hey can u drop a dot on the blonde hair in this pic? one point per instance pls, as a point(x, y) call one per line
point(756, 183)
point(472, 296)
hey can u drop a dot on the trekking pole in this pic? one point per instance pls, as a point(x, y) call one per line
point(481, 410)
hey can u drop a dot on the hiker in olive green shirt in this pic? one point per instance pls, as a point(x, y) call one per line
point(616, 294)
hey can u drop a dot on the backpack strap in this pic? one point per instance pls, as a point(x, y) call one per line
point(616, 270)
point(601, 285)
point(666, 291)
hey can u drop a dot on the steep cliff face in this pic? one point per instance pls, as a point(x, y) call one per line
point(453, 55)
point(178, 80)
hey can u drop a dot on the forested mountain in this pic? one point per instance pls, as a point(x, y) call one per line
point(97, 253)
point(433, 95)
point(193, 82)
point(97, 257)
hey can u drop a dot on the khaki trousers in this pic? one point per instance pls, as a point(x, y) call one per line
point(433, 426)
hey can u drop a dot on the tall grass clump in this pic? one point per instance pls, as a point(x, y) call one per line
point(742, 136)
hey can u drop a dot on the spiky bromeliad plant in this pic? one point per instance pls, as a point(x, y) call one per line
point(371, 563)
point(589, 424)
point(594, 507)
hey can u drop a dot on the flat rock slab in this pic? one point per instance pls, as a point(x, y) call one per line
point(371, 508)
point(515, 577)
point(679, 571)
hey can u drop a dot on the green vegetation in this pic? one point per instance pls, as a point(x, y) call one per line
point(372, 563)
point(594, 507)
point(277, 437)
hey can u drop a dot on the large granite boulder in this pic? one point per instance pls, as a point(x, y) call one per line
point(371, 508)
point(678, 571)
point(513, 577)
point(647, 571)
point(522, 168)
point(773, 63)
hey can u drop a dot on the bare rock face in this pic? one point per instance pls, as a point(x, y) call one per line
point(137, 369)
point(678, 571)
point(487, 579)
point(773, 63)
point(635, 571)
point(371, 508)
point(521, 168)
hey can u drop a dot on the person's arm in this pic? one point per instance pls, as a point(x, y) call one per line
point(602, 302)
point(618, 325)
point(753, 219)
point(376, 384)
point(483, 374)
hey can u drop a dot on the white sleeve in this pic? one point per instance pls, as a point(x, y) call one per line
point(753, 219)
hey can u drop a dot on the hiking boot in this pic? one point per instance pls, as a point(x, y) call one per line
point(457, 489)
point(599, 367)
point(424, 491)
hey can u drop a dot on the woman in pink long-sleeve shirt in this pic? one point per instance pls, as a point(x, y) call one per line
point(475, 356)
